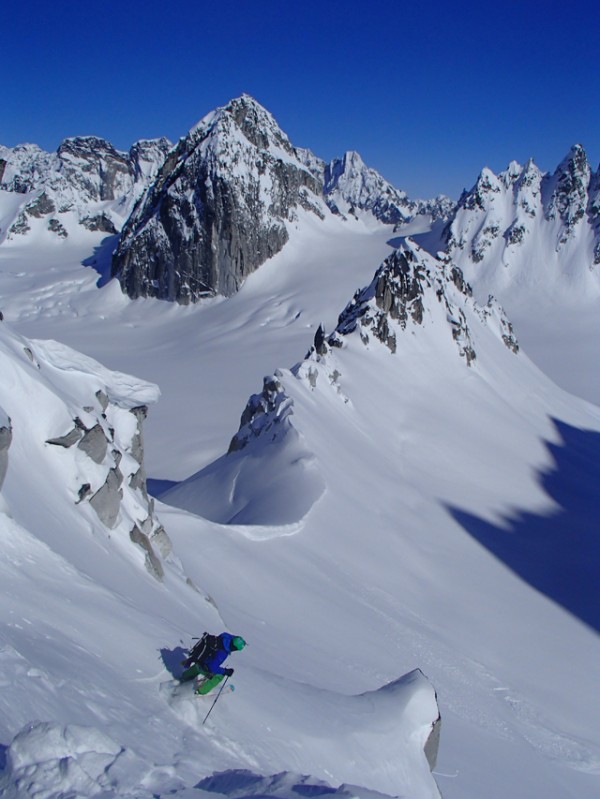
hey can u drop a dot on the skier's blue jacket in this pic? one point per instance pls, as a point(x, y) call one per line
point(213, 663)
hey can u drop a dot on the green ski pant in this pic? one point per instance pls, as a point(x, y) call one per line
point(207, 685)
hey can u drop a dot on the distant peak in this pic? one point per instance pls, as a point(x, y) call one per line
point(85, 145)
point(353, 158)
point(575, 160)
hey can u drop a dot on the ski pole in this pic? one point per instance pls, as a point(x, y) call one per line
point(216, 698)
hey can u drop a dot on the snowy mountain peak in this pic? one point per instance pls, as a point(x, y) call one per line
point(218, 209)
point(351, 187)
point(257, 124)
point(569, 191)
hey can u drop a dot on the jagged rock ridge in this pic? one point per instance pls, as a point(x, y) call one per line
point(351, 186)
point(405, 289)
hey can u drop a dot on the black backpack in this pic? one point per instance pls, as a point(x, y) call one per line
point(203, 649)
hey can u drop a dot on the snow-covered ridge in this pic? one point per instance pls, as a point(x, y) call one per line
point(523, 217)
point(414, 303)
point(86, 182)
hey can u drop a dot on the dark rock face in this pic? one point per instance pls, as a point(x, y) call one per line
point(569, 196)
point(395, 294)
point(100, 222)
point(41, 206)
point(217, 210)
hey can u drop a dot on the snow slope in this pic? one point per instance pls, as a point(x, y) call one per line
point(91, 639)
point(417, 513)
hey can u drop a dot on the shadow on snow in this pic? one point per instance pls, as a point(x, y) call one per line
point(101, 260)
point(558, 554)
point(172, 660)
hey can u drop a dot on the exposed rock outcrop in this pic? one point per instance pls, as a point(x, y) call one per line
point(80, 426)
point(119, 448)
point(406, 289)
point(5, 441)
point(266, 415)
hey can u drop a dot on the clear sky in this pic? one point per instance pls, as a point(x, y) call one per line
point(428, 93)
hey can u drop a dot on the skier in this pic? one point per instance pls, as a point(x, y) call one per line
point(206, 657)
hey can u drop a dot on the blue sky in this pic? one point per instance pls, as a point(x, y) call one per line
point(428, 93)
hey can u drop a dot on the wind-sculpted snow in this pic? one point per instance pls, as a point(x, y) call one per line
point(48, 760)
point(399, 721)
point(81, 423)
point(268, 479)
point(334, 735)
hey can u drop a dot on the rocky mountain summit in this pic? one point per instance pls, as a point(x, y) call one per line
point(416, 315)
point(218, 208)
point(85, 182)
point(195, 219)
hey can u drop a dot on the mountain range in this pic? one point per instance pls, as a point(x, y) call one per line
point(340, 445)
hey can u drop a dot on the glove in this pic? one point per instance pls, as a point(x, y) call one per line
point(228, 672)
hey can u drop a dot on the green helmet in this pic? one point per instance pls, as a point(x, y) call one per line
point(238, 642)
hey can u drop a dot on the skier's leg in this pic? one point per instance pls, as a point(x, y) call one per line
point(208, 684)
point(190, 673)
